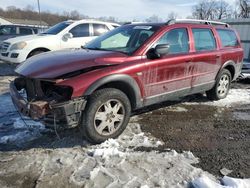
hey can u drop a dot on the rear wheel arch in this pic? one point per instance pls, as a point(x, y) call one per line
point(124, 83)
point(230, 66)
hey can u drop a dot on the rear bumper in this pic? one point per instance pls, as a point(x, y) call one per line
point(63, 115)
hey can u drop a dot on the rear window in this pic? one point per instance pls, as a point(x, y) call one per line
point(228, 38)
point(204, 39)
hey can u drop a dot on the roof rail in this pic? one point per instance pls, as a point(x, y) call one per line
point(195, 21)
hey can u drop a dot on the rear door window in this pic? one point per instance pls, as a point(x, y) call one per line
point(99, 29)
point(203, 39)
point(81, 30)
point(228, 38)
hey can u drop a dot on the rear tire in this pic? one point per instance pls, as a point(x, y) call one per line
point(106, 115)
point(222, 86)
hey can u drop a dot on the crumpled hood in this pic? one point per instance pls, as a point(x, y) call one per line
point(51, 65)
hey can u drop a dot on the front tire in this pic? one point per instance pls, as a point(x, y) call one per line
point(106, 115)
point(222, 86)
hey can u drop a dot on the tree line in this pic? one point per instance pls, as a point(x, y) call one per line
point(51, 18)
point(220, 9)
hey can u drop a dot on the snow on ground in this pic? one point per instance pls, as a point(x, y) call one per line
point(13, 129)
point(235, 97)
point(114, 163)
point(226, 182)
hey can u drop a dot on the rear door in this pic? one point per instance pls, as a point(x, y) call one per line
point(230, 48)
point(169, 73)
point(206, 57)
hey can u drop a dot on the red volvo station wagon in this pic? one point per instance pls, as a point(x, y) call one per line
point(97, 87)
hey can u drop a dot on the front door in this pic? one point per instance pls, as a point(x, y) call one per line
point(169, 73)
point(81, 35)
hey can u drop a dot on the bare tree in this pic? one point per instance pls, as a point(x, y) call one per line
point(244, 8)
point(212, 9)
point(154, 18)
point(172, 15)
point(75, 15)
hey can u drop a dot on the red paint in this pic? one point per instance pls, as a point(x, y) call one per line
point(166, 74)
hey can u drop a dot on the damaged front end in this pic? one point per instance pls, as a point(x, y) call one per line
point(44, 100)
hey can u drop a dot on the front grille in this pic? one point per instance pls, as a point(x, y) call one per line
point(5, 46)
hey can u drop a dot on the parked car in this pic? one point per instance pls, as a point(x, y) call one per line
point(67, 34)
point(11, 31)
point(133, 66)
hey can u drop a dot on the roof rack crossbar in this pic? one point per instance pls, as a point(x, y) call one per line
point(195, 21)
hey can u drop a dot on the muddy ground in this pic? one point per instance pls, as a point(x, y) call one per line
point(218, 136)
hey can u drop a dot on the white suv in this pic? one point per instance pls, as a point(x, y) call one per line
point(67, 34)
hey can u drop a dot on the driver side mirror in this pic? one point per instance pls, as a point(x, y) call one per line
point(67, 36)
point(158, 51)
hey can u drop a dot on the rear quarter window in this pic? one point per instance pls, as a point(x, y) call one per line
point(203, 39)
point(228, 38)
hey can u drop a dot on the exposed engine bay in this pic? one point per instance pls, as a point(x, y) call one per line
point(46, 101)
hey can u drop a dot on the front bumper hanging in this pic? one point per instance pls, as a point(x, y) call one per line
point(65, 114)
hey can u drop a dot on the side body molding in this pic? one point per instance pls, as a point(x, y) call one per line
point(124, 82)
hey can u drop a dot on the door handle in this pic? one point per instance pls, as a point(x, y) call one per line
point(188, 60)
point(217, 56)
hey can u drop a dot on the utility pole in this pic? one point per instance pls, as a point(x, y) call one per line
point(38, 3)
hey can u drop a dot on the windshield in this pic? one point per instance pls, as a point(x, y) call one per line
point(126, 39)
point(7, 30)
point(57, 28)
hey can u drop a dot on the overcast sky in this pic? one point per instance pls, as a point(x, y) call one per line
point(124, 10)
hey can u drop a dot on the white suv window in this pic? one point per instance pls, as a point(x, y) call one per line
point(81, 30)
point(99, 29)
point(25, 31)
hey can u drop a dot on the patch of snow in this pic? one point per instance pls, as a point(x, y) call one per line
point(235, 97)
point(20, 132)
point(120, 164)
point(19, 137)
point(242, 115)
point(235, 182)
point(225, 171)
point(226, 182)
point(205, 182)
point(177, 109)
point(134, 137)
point(19, 124)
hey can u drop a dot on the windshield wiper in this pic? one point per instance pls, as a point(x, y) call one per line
point(95, 48)
point(101, 49)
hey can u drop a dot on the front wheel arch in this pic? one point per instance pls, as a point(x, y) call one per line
point(36, 50)
point(124, 83)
